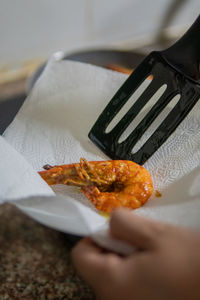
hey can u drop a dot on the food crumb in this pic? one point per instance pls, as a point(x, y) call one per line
point(105, 215)
point(157, 193)
point(47, 167)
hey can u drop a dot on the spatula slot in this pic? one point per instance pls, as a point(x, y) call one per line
point(156, 123)
point(143, 113)
point(138, 92)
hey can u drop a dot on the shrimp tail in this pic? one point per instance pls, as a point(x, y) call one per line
point(63, 174)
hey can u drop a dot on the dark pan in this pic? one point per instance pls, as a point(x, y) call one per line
point(102, 58)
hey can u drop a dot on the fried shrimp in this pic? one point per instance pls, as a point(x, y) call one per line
point(107, 184)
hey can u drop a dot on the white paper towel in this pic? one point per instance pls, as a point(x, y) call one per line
point(52, 127)
point(17, 177)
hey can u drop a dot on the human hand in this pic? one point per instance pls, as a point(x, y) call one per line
point(166, 265)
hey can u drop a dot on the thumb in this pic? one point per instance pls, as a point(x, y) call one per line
point(139, 231)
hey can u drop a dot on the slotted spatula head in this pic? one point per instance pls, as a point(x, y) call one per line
point(178, 69)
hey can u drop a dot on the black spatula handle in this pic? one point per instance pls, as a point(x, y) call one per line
point(184, 55)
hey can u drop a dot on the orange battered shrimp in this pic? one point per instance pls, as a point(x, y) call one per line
point(107, 184)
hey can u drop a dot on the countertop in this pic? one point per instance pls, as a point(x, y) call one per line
point(35, 261)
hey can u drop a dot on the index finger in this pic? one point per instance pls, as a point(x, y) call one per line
point(86, 249)
point(92, 261)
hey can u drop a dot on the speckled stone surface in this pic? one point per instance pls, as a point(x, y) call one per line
point(35, 261)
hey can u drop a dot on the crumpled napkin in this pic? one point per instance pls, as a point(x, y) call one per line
point(52, 128)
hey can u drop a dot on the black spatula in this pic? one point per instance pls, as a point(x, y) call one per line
point(179, 68)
